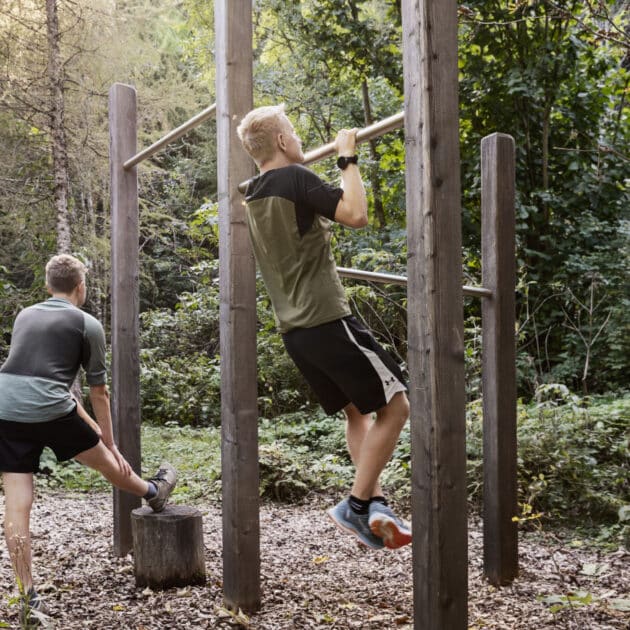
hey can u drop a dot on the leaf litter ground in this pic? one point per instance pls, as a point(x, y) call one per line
point(312, 577)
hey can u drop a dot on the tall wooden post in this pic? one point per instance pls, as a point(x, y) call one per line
point(499, 359)
point(239, 414)
point(125, 381)
point(435, 315)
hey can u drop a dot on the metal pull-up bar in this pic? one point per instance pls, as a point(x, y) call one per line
point(389, 278)
point(375, 130)
point(177, 133)
point(363, 135)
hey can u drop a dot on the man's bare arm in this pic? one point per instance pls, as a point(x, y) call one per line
point(99, 397)
point(352, 210)
point(85, 416)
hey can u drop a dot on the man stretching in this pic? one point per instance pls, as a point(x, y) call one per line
point(50, 341)
point(289, 213)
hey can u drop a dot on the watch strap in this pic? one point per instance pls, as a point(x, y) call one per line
point(343, 161)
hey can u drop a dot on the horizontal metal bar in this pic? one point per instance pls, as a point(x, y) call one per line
point(363, 135)
point(195, 121)
point(388, 278)
point(372, 276)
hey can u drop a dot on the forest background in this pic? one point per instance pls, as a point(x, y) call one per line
point(554, 75)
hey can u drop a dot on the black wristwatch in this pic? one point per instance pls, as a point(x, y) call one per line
point(343, 161)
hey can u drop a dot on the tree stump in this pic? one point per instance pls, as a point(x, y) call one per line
point(168, 547)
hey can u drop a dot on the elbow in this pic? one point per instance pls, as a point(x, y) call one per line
point(99, 392)
point(362, 221)
point(358, 221)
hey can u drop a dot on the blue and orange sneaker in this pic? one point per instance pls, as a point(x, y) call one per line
point(387, 526)
point(349, 521)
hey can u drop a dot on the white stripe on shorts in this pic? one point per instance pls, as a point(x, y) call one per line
point(391, 385)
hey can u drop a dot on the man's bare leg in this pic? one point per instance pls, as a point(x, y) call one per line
point(378, 445)
point(371, 445)
point(101, 458)
point(121, 476)
point(357, 427)
point(18, 500)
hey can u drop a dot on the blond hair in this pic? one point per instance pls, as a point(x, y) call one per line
point(64, 273)
point(259, 129)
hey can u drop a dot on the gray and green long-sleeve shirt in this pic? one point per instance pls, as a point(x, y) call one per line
point(50, 342)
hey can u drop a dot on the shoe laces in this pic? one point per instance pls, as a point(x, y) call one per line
point(160, 475)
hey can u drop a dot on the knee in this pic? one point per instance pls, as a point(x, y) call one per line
point(400, 407)
point(397, 410)
point(18, 505)
point(402, 417)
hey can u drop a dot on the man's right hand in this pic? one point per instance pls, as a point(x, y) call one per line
point(123, 464)
point(346, 142)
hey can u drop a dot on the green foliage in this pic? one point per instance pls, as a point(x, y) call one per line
point(180, 379)
point(180, 363)
point(556, 80)
point(555, 77)
point(573, 457)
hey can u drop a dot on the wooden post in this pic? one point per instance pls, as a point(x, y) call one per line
point(499, 359)
point(125, 381)
point(239, 414)
point(435, 315)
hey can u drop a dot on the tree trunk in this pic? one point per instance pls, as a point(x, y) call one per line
point(375, 182)
point(367, 116)
point(57, 130)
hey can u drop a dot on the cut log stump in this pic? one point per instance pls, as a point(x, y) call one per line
point(168, 547)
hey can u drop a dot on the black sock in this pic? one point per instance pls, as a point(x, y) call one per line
point(359, 506)
point(151, 492)
point(380, 499)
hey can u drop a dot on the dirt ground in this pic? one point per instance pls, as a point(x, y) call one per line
point(312, 577)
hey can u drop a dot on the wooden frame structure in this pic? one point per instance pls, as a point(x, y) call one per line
point(435, 316)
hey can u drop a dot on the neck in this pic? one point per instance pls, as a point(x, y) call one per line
point(73, 298)
point(277, 161)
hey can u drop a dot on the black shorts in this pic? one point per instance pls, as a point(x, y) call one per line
point(22, 443)
point(343, 363)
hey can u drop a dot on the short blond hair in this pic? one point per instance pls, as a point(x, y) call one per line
point(64, 273)
point(258, 131)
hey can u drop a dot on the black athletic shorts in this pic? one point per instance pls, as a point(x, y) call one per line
point(22, 443)
point(343, 363)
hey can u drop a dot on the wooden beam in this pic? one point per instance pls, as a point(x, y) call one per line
point(125, 381)
point(239, 414)
point(499, 359)
point(435, 315)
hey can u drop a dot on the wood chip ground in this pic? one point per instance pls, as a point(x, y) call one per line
point(312, 577)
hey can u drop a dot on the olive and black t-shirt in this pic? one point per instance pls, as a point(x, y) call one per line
point(50, 342)
point(289, 214)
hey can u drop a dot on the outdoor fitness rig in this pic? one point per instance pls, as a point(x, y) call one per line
point(435, 316)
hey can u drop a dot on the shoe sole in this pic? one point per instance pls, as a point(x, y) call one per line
point(349, 530)
point(393, 537)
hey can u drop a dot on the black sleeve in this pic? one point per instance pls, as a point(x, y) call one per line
point(314, 196)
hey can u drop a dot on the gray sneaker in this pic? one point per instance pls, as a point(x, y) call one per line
point(348, 521)
point(384, 523)
point(32, 611)
point(165, 479)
